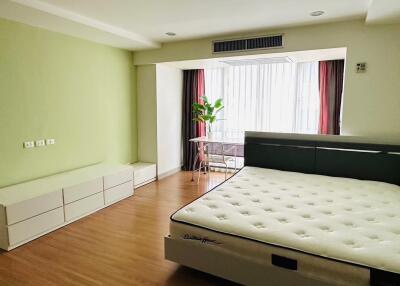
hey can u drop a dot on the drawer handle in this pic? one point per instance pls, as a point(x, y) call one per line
point(284, 262)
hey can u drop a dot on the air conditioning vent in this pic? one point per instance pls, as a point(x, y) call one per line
point(267, 42)
point(258, 61)
point(228, 46)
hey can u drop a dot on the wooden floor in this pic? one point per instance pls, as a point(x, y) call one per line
point(119, 245)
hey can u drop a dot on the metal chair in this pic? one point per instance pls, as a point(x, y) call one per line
point(215, 153)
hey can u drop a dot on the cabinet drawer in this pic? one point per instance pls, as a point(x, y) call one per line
point(118, 178)
point(83, 190)
point(119, 192)
point(32, 207)
point(145, 174)
point(34, 226)
point(84, 206)
point(3, 237)
point(3, 217)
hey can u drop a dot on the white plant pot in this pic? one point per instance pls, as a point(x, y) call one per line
point(211, 135)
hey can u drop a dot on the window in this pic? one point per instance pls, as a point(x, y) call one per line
point(278, 97)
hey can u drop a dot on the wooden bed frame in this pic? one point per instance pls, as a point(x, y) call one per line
point(338, 156)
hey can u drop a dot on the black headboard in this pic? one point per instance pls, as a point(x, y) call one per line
point(338, 156)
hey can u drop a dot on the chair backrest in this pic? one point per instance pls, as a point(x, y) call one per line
point(226, 149)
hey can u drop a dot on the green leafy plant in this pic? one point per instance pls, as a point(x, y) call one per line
point(207, 112)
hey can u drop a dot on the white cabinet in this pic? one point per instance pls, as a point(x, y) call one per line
point(144, 173)
point(35, 226)
point(118, 185)
point(118, 193)
point(20, 211)
point(32, 209)
point(82, 190)
point(118, 177)
point(84, 206)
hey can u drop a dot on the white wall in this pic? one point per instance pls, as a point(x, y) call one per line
point(169, 119)
point(371, 99)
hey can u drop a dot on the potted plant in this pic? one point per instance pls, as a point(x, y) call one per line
point(207, 112)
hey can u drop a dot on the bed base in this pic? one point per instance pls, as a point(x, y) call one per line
point(231, 266)
point(236, 268)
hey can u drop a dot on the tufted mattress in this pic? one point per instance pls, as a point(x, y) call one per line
point(345, 220)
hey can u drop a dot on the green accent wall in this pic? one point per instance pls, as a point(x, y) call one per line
point(80, 93)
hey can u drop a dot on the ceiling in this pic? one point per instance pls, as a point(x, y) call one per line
point(384, 12)
point(142, 24)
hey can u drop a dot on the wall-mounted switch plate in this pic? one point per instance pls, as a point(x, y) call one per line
point(50, 141)
point(40, 143)
point(29, 144)
point(361, 67)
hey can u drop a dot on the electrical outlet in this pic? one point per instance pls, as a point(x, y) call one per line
point(40, 143)
point(50, 141)
point(361, 67)
point(29, 144)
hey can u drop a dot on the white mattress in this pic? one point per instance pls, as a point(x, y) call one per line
point(339, 218)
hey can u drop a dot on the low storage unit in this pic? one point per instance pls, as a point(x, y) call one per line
point(83, 207)
point(83, 198)
point(34, 208)
point(144, 173)
point(117, 193)
point(118, 185)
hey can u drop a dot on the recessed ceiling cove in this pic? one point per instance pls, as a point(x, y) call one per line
point(138, 24)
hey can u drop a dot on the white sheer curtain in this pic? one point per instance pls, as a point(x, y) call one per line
point(280, 97)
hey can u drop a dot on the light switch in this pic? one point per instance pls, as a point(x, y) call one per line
point(40, 143)
point(29, 144)
point(361, 67)
point(50, 141)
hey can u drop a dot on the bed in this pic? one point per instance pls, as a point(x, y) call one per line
point(305, 210)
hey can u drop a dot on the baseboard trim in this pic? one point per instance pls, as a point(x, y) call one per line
point(169, 173)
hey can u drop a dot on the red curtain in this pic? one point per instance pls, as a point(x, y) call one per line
point(193, 89)
point(324, 98)
point(200, 126)
point(331, 90)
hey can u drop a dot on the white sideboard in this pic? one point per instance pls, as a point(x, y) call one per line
point(34, 208)
point(144, 173)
